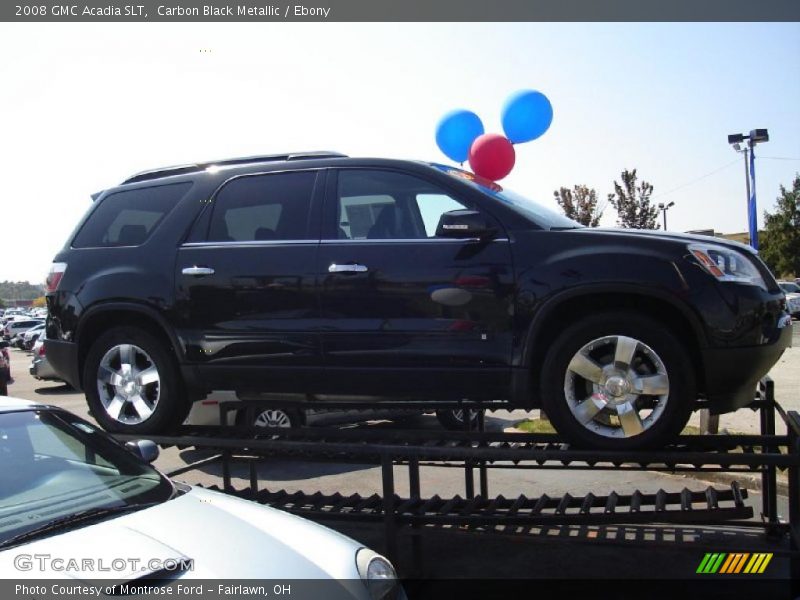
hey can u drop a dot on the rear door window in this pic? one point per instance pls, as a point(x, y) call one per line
point(260, 208)
point(128, 218)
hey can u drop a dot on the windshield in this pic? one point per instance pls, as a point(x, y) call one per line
point(542, 216)
point(790, 288)
point(55, 465)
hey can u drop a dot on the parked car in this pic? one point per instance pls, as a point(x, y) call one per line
point(792, 291)
point(14, 328)
point(26, 339)
point(69, 491)
point(5, 368)
point(364, 278)
point(40, 367)
point(207, 413)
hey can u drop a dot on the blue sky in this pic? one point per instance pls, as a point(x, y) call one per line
point(84, 105)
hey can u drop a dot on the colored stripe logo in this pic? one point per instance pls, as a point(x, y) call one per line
point(734, 563)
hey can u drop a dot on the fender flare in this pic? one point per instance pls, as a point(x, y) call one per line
point(143, 309)
point(630, 290)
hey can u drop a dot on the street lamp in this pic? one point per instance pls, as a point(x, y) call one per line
point(736, 140)
point(663, 208)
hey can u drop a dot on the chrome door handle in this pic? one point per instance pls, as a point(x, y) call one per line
point(349, 268)
point(198, 271)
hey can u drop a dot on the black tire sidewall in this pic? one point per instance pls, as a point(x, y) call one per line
point(172, 407)
point(682, 390)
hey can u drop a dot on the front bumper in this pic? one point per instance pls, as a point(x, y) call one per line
point(63, 358)
point(732, 374)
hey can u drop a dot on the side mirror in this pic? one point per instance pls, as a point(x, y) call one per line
point(144, 450)
point(464, 224)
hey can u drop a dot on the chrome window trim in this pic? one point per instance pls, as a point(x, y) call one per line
point(248, 243)
point(409, 240)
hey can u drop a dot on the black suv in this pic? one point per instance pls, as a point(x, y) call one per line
point(321, 274)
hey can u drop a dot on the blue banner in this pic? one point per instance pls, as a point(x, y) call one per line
point(752, 212)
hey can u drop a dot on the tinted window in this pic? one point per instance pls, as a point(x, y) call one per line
point(263, 208)
point(388, 205)
point(128, 218)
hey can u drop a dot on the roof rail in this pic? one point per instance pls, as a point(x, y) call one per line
point(229, 162)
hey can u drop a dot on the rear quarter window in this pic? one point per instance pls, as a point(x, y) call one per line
point(128, 218)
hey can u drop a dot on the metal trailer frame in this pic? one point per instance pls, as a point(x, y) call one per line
point(475, 449)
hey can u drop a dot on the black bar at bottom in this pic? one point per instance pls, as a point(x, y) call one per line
point(390, 525)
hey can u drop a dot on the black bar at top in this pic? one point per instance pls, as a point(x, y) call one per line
point(404, 11)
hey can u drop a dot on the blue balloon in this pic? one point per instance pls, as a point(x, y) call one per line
point(455, 133)
point(526, 116)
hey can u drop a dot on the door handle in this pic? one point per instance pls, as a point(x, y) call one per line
point(197, 271)
point(348, 268)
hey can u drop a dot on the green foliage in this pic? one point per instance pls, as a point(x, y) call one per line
point(780, 242)
point(19, 290)
point(580, 204)
point(632, 203)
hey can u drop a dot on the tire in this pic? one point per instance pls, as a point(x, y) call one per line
point(273, 417)
point(453, 419)
point(3, 388)
point(111, 388)
point(594, 392)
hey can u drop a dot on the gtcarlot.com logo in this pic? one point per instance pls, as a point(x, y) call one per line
point(734, 563)
point(47, 562)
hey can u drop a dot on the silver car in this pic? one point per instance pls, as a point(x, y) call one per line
point(71, 493)
point(40, 367)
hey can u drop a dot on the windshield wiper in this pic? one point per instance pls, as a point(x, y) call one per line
point(71, 520)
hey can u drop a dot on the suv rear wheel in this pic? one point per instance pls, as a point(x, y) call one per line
point(273, 417)
point(453, 419)
point(618, 381)
point(132, 383)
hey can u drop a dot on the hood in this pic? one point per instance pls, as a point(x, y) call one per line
point(222, 536)
point(672, 236)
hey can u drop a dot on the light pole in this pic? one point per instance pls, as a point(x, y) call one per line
point(736, 140)
point(663, 208)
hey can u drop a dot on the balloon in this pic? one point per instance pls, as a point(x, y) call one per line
point(491, 156)
point(526, 116)
point(455, 133)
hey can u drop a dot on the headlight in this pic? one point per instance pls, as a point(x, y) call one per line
point(727, 265)
point(377, 573)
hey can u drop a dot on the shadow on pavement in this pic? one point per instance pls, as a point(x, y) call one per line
point(273, 469)
point(55, 391)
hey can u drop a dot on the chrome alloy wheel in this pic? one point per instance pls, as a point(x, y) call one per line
point(616, 386)
point(128, 384)
point(458, 414)
point(272, 418)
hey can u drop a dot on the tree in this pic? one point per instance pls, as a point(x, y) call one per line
point(632, 203)
point(780, 243)
point(39, 302)
point(580, 204)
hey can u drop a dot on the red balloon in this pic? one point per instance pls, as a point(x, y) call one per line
point(491, 156)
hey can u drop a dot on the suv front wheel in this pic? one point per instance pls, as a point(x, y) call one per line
point(618, 381)
point(132, 384)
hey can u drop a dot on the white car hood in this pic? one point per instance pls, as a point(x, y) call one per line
point(225, 537)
